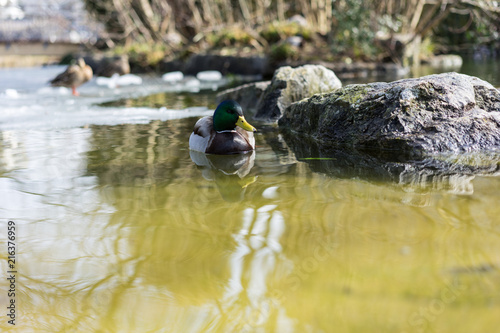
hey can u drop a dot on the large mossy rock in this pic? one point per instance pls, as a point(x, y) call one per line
point(413, 117)
point(290, 85)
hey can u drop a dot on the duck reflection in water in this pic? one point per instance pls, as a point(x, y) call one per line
point(229, 172)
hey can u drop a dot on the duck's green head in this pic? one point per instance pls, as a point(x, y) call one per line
point(228, 115)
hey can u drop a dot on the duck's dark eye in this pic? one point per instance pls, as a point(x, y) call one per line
point(231, 111)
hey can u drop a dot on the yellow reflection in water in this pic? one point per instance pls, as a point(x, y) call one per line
point(139, 238)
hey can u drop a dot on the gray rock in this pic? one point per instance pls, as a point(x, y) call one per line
point(414, 117)
point(446, 61)
point(246, 95)
point(290, 85)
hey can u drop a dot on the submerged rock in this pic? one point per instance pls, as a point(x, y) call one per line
point(290, 85)
point(414, 117)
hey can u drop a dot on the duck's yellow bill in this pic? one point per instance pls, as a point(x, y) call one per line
point(245, 125)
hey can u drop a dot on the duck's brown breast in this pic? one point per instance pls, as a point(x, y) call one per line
point(231, 142)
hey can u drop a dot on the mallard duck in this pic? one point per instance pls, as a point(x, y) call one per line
point(74, 76)
point(226, 132)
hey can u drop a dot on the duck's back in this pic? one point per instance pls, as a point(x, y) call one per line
point(66, 78)
point(72, 76)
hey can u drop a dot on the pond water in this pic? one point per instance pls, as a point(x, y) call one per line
point(120, 228)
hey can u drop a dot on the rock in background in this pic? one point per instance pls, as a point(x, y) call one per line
point(447, 61)
point(290, 85)
point(247, 95)
point(106, 66)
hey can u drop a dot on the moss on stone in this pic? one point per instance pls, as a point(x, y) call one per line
point(351, 94)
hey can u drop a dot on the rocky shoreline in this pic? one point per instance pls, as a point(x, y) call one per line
point(254, 65)
point(262, 65)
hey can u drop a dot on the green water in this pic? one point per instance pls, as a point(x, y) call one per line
point(131, 236)
point(119, 230)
